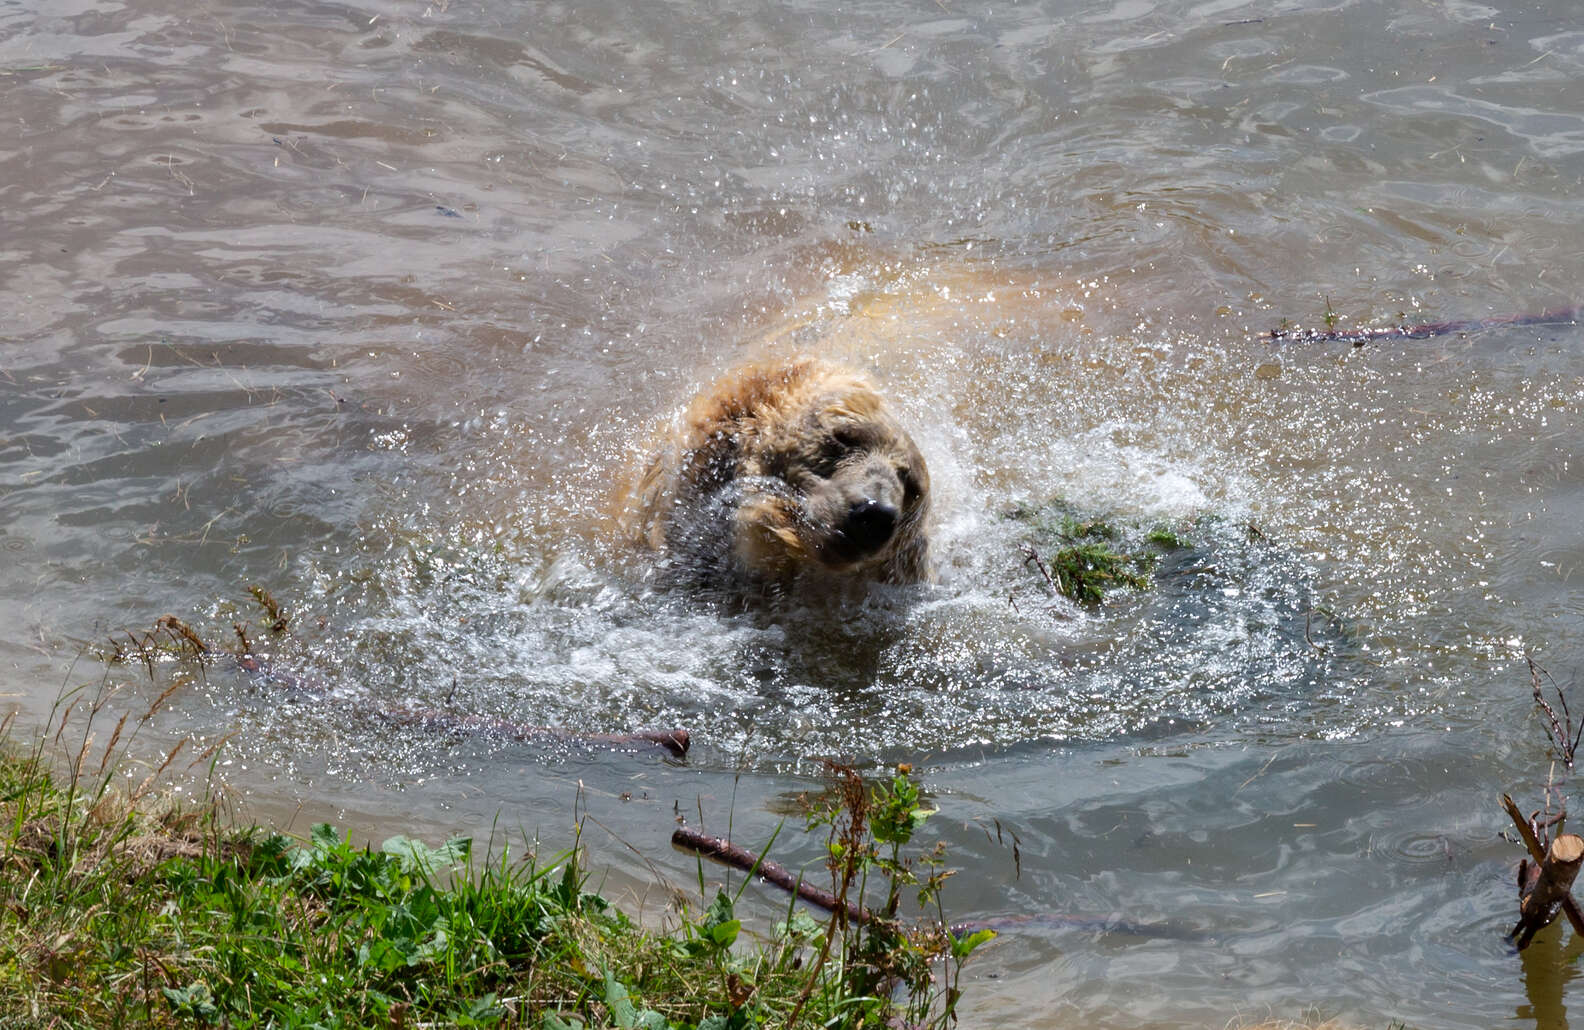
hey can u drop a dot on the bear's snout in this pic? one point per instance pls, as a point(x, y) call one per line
point(869, 525)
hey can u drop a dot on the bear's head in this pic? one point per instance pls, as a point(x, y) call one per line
point(782, 468)
point(830, 478)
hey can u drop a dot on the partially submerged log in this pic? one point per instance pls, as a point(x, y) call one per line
point(265, 671)
point(1543, 888)
point(1114, 923)
point(734, 855)
point(674, 741)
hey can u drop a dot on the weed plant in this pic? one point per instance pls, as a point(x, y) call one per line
point(883, 958)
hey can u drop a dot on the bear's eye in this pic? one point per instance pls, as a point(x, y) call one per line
point(838, 445)
point(847, 438)
point(910, 484)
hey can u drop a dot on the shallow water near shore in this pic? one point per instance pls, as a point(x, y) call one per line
point(373, 305)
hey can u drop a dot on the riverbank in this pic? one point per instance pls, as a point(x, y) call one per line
point(125, 909)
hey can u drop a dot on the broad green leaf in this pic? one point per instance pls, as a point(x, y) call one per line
point(620, 1003)
point(962, 947)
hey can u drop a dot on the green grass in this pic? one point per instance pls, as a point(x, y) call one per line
point(119, 912)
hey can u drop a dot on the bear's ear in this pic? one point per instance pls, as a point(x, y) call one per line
point(910, 564)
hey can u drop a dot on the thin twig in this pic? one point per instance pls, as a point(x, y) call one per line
point(1032, 556)
point(1564, 736)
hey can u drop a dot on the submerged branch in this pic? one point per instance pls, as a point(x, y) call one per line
point(182, 640)
point(675, 741)
point(1359, 336)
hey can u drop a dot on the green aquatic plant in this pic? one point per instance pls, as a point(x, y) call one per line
point(1086, 557)
point(1088, 571)
point(1167, 538)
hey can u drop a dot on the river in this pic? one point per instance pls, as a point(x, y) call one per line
point(372, 305)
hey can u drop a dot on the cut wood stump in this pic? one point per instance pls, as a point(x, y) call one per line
point(1544, 887)
point(1547, 887)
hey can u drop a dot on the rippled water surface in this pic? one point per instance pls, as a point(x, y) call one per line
point(373, 305)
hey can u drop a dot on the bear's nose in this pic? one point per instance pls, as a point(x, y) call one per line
point(869, 524)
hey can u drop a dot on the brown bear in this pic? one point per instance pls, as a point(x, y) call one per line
point(781, 468)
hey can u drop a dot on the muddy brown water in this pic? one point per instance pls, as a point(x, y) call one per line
point(372, 303)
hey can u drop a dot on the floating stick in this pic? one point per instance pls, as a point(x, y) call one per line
point(1424, 330)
